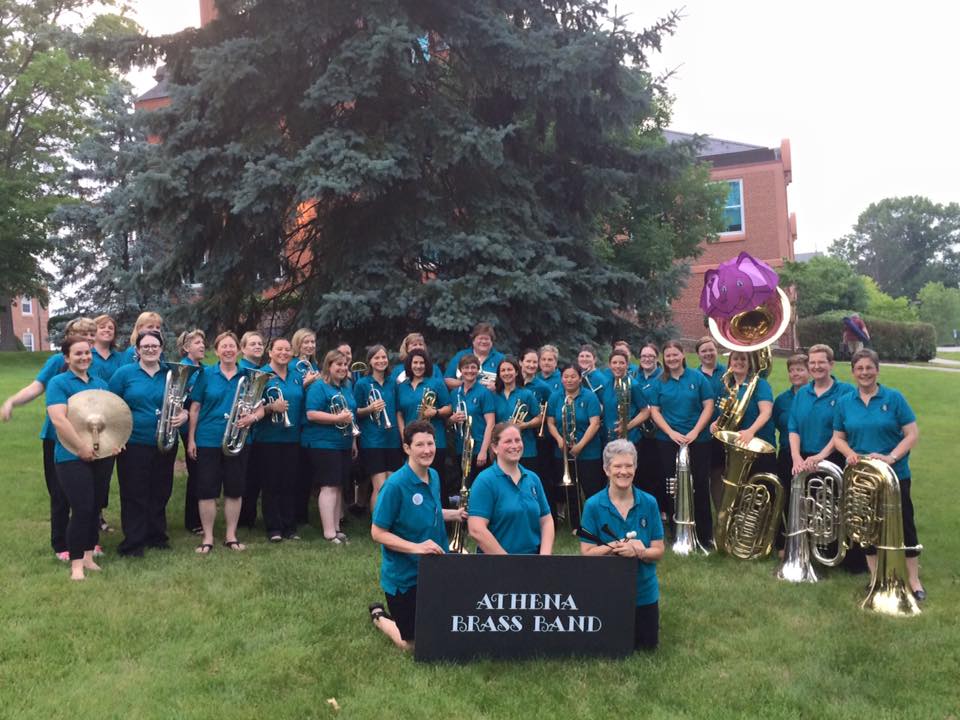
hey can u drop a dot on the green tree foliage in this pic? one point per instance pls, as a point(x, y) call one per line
point(940, 306)
point(904, 243)
point(50, 82)
point(824, 283)
point(420, 165)
point(881, 305)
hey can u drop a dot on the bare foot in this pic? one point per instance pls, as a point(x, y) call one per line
point(77, 574)
point(90, 565)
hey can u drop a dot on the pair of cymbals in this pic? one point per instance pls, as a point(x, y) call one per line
point(100, 418)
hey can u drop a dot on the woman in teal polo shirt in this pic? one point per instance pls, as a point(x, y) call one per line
point(637, 406)
point(876, 421)
point(412, 341)
point(85, 476)
point(212, 398)
point(275, 455)
point(380, 452)
point(594, 378)
point(682, 409)
point(144, 472)
point(420, 379)
point(304, 346)
point(799, 376)
point(192, 347)
point(106, 358)
point(148, 320)
point(480, 406)
point(509, 396)
point(628, 521)
point(488, 358)
point(509, 512)
point(650, 480)
point(713, 370)
point(328, 437)
point(408, 522)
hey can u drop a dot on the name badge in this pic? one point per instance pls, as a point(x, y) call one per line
point(417, 499)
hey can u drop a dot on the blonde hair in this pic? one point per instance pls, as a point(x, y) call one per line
point(297, 340)
point(329, 359)
point(223, 336)
point(143, 319)
point(104, 319)
point(80, 326)
point(187, 337)
point(246, 337)
point(405, 343)
point(821, 348)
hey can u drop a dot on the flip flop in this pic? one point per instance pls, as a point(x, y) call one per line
point(377, 611)
point(234, 545)
point(204, 549)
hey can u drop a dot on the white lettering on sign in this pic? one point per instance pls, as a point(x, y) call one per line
point(526, 601)
point(487, 623)
point(572, 623)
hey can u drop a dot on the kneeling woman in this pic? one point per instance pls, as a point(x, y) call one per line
point(624, 509)
point(84, 477)
point(408, 522)
point(509, 512)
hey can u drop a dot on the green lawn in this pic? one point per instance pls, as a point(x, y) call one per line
point(274, 632)
point(943, 355)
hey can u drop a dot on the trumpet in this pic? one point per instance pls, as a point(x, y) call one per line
point(382, 417)
point(462, 408)
point(338, 403)
point(275, 394)
point(428, 401)
point(247, 398)
point(174, 396)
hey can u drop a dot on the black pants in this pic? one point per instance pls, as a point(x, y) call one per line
point(650, 476)
point(146, 482)
point(545, 469)
point(191, 511)
point(59, 507)
point(646, 628)
point(277, 469)
point(304, 488)
point(589, 475)
point(700, 470)
point(909, 525)
point(251, 492)
point(85, 486)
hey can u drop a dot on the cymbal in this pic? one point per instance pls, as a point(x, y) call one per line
point(101, 418)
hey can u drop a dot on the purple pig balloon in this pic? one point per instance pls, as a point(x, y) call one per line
point(737, 285)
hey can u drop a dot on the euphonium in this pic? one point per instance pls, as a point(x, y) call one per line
point(622, 388)
point(812, 519)
point(276, 394)
point(247, 398)
point(428, 401)
point(382, 417)
point(338, 403)
point(570, 481)
point(174, 396)
point(872, 515)
point(459, 538)
point(749, 512)
point(680, 487)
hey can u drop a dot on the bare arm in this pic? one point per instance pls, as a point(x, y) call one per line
point(21, 397)
point(479, 528)
point(398, 544)
point(68, 434)
point(547, 534)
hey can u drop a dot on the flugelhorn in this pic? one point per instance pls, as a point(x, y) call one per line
point(275, 394)
point(680, 487)
point(519, 414)
point(174, 396)
point(247, 398)
point(382, 417)
point(428, 401)
point(338, 403)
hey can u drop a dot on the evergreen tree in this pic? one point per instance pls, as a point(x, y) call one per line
point(421, 165)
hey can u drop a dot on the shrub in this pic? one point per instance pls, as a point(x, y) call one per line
point(893, 341)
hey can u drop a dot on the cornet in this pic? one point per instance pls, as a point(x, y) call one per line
point(382, 417)
point(462, 408)
point(338, 403)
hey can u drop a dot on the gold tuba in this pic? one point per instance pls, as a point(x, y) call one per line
point(247, 398)
point(174, 396)
point(812, 520)
point(680, 487)
point(750, 508)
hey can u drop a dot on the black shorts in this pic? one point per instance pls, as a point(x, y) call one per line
point(380, 460)
point(646, 629)
point(909, 524)
point(330, 468)
point(403, 609)
point(216, 472)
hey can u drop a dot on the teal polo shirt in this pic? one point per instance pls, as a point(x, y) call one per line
point(716, 382)
point(245, 364)
point(596, 381)
point(811, 417)
point(408, 401)
point(648, 384)
point(410, 509)
point(762, 392)
point(643, 518)
point(781, 415)
point(105, 367)
point(323, 436)
point(129, 355)
point(504, 411)
point(268, 431)
point(512, 509)
point(876, 427)
point(610, 404)
point(585, 406)
point(371, 434)
point(491, 364)
point(552, 381)
point(398, 374)
point(214, 393)
point(539, 388)
point(144, 394)
point(479, 402)
point(54, 365)
point(681, 401)
point(59, 390)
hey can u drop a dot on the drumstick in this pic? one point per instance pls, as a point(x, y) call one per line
point(589, 536)
point(630, 535)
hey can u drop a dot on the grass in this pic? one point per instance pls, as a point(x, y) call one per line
point(276, 631)
point(946, 355)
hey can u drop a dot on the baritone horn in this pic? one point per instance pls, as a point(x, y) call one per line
point(382, 417)
point(247, 398)
point(174, 397)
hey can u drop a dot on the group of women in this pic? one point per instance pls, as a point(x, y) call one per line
point(519, 427)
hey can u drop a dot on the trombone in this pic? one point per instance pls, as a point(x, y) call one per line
point(570, 480)
point(543, 420)
point(382, 418)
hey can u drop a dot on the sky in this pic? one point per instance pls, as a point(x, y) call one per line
point(861, 89)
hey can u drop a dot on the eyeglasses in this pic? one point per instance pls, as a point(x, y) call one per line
point(150, 347)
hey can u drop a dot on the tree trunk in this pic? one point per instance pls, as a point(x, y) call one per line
point(8, 340)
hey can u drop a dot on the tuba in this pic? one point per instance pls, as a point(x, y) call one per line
point(749, 512)
point(680, 487)
point(247, 398)
point(459, 538)
point(812, 520)
point(174, 396)
point(428, 401)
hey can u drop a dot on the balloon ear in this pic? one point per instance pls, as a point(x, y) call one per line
point(710, 292)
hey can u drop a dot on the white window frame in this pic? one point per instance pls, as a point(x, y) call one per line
point(743, 218)
point(26, 306)
point(28, 341)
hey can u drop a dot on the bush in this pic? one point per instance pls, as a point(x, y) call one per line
point(893, 341)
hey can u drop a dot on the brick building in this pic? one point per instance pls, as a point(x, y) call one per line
point(30, 323)
point(756, 216)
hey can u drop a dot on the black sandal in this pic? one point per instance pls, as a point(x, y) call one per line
point(377, 612)
point(234, 545)
point(204, 549)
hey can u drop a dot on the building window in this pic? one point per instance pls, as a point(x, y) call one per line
point(28, 340)
point(26, 306)
point(733, 208)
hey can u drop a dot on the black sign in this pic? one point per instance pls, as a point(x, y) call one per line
point(524, 605)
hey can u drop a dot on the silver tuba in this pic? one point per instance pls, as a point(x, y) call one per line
point(174, 396)
point(812, 520)
point(247, 398)
point(680, 487)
